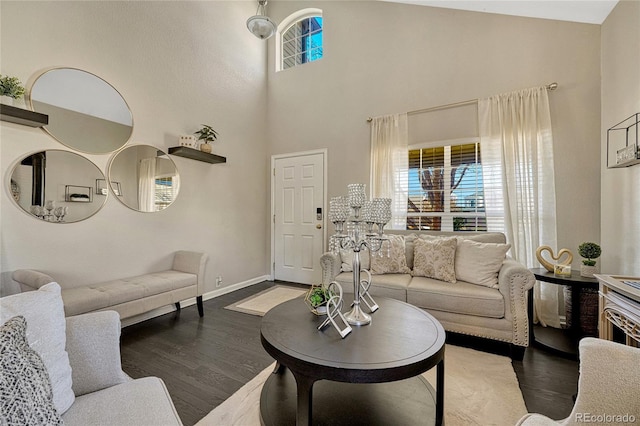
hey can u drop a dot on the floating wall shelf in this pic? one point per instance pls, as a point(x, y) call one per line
point(22, 116)
point(624, 139)
point(194, 154)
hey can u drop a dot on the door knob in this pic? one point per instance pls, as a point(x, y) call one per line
point(318, 226)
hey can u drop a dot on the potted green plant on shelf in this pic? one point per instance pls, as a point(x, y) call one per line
point(10, 89)
point(589, 251)
point(317, 298)
point(206, 134)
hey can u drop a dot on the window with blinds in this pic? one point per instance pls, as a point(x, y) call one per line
point(302, 42)
point(164, 192)
point(446, 189)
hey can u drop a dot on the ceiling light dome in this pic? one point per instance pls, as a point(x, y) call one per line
point(260, 24)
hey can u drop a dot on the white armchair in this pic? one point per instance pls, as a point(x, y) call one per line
point(81, 355)
point(104, 393)
point(608, 388)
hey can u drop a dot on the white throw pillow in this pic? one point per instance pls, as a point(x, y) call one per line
point(44, 311)
point(391, 257)
point(435, 258)
point(479, 263)
point(346, 255)
point(409, 244)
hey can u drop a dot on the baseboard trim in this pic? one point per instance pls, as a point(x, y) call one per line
point(192, 301)
point(230, 288)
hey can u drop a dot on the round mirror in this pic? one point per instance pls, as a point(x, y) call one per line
point(57, 186)
point(144, 178)
point(85, 112)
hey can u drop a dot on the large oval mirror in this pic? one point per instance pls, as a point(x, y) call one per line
point(144, 178)
point(85, 112)
point(57, 186)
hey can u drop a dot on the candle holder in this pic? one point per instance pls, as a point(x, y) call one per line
point(358, 235)
point(49, 213)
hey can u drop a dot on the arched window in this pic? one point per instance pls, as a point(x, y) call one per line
point(299, 39)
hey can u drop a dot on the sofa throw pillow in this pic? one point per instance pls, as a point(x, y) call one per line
point(435, 258)
point(44, 311)
point(27, 396)
point(346, 256)
point(391, 258)
point(479, 263)
point(409, 246)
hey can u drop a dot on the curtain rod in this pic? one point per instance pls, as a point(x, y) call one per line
point(551, 86)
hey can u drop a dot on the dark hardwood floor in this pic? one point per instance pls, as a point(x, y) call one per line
point(203, 361)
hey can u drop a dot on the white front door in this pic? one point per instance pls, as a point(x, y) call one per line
point(298, 208)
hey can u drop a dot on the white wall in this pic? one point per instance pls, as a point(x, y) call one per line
point(383, 58)
point(620, 99)
point(178, 65)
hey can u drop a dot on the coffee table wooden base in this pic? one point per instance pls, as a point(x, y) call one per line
point(409, 401)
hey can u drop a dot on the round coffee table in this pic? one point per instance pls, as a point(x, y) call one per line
point(400, 344)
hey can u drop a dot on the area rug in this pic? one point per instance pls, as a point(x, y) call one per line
point(260, 303)
point(480, 389)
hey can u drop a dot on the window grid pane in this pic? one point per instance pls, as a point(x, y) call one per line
point(302, 42)
point(419, 223)
point(457, 167)
point(164, 192)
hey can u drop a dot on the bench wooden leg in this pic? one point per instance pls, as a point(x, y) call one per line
point(178, 306)
point(200, 307)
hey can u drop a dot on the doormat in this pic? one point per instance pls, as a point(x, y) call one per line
point(260, 303)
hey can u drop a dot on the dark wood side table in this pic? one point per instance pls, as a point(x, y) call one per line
point(561, 341)
point(372, 377)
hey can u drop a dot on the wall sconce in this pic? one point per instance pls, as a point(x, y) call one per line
point(260, 24)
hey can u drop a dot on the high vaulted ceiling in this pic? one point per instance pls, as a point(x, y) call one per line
point(587, 11)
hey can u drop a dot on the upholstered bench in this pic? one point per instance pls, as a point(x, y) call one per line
point(130, 296)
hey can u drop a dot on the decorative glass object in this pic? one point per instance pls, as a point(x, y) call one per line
point(357, 197)
point(49, 212)
point(49, 205)
point(316, 299)
point(60, 212)
point(355, 232)
point(334, 311)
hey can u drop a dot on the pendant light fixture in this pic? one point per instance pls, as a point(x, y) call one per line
point(260, 24)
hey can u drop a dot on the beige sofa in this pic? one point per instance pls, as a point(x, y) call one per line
point(498, 313)
point(131, 296)
point(82, 382)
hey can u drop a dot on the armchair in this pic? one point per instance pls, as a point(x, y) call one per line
point(104, 393)
point(607, 388)
point(83, 383)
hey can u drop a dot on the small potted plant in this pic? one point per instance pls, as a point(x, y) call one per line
point(316, 299)
point(589, 251)
point(206, 134)
point(10, 89)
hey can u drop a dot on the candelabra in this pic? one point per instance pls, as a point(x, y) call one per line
point(359, 216)
point(49, 212)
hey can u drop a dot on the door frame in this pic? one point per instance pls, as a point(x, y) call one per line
point(325, 157)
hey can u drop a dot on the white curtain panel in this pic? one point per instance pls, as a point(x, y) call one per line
point(176, 185)
point(147, 185)
point(517, 164)
point(390, 165)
